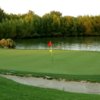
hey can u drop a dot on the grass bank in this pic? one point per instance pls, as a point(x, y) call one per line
point(72, 65)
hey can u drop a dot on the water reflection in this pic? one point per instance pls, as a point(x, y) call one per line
point(71, 43)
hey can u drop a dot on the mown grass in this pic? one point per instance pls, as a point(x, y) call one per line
point(10, 90)
point(72, 65)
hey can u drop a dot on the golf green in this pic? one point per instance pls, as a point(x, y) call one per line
point(57, 62)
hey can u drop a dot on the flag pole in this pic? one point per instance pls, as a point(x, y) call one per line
point(50, 50)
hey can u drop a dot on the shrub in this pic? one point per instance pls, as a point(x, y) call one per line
point(7, 43)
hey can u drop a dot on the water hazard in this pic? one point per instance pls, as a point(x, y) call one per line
point(69, 43)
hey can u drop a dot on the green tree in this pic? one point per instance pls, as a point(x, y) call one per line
point(2, 15)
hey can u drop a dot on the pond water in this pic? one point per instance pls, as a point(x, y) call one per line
point(69, 43)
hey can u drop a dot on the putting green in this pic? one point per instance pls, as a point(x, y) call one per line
point(59, 62)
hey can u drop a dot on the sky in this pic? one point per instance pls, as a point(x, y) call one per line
point(41, 7)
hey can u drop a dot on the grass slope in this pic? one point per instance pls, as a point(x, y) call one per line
point(80, 63)
point(10, 90)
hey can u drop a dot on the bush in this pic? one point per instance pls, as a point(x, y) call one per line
point(7, 43)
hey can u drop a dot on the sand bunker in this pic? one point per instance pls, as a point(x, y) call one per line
point(70, 86)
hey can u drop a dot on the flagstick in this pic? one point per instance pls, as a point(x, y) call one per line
point(51, 51)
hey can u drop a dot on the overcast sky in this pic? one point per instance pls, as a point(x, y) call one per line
point(40, 7)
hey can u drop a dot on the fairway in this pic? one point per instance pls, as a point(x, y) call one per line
point(59, 62)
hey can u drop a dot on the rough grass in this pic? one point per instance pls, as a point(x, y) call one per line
point(10, 90)
point(79, 65)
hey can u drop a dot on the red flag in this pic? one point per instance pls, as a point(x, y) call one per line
point(49, 44)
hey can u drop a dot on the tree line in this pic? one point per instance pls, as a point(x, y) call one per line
point(31, 25)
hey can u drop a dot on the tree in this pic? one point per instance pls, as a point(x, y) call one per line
point(51, 23)
point(67, 25)
point(2, 15)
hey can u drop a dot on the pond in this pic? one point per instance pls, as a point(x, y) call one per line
point(69, 43)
